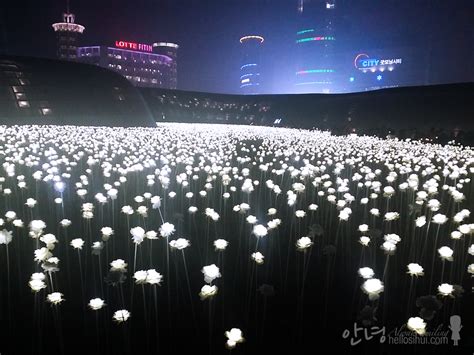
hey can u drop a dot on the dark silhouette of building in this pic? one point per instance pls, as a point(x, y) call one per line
point(46, 91)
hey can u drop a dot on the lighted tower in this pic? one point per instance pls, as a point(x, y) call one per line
point(250, 66)
point(170, 50)
point(67, 35)
point(315, 40)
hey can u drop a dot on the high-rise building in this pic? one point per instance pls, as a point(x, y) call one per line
point(67, 36)
point(250, 80)
point(170, 50)
point(315, 40)
point(135, 61)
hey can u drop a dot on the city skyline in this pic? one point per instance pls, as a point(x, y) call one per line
point(208, 34)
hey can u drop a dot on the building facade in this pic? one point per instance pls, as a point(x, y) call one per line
point(250, 79)
point(67, 36)
point(315, 42)
point(170, 50)
point(135, 61)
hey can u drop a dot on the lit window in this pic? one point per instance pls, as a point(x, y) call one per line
point(17, 88)
point(23, 104)
point(45, 111)
point(20, 96)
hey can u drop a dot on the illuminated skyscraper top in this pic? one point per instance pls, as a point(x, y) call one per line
point(67, 35)
point(315, 39)
point(250, 66)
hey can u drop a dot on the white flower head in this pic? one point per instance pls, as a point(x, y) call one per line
point(445, 289)
point(303, 243)
point(259, 230)
point(258, 257)
point(220, 244)
point(77, 243)
point(121, 316)
point(417, 325)
point(167, 229)
point(55, 298)
point(234, 336)
point(118, 265)
point(415, 269)
point(207, 291)
point(179, 244)
point(96, 303)
point(366, 272)
point(211, 272)
point(373, 288)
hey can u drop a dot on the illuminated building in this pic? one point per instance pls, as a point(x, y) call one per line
point(67, 36)
point(315, 40)
point(250, 68)
point(135, 61)
point(170, 50)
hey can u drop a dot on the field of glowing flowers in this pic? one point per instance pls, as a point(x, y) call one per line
point(218, 238)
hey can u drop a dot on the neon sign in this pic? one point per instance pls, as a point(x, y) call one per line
point(134, 46)
point(364, 63)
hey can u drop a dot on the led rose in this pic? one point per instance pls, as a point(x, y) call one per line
point(107, 232)
point(303, 243)
point(373, 288)
point(274, 223)
point(375, 212)
point(271, 211)
point(300, 214)
point(364, 241)
point(55, 298)
point(363, 228)
point(366, 272)
point(234, 336)
point(211, 272)
point(36, 285)
point(220, 244)
point(140, 277)
point(445, 253)
point(391, 216)
point(118, 265)
point(166, 230)
point(259, 230)
point(96, 304)
point(207, 291)
point(417, 325)
point(251, 219)
point(77, 243)
point(121, 316)
point(415, 269)
point(138, 235)
point(65, 223)
point(5, 237)
point(128, 210)
point(470, 269)
point(258, 257)
point(439, 218)
point(10, 215)
point(179, 243)
point(18, 223)
point(30, 202)
point(445, 289)
point(153, 277)
point(151, 235)
point(42, 254)
point(37, 226)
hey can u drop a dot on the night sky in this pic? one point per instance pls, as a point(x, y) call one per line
point(208, 32)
